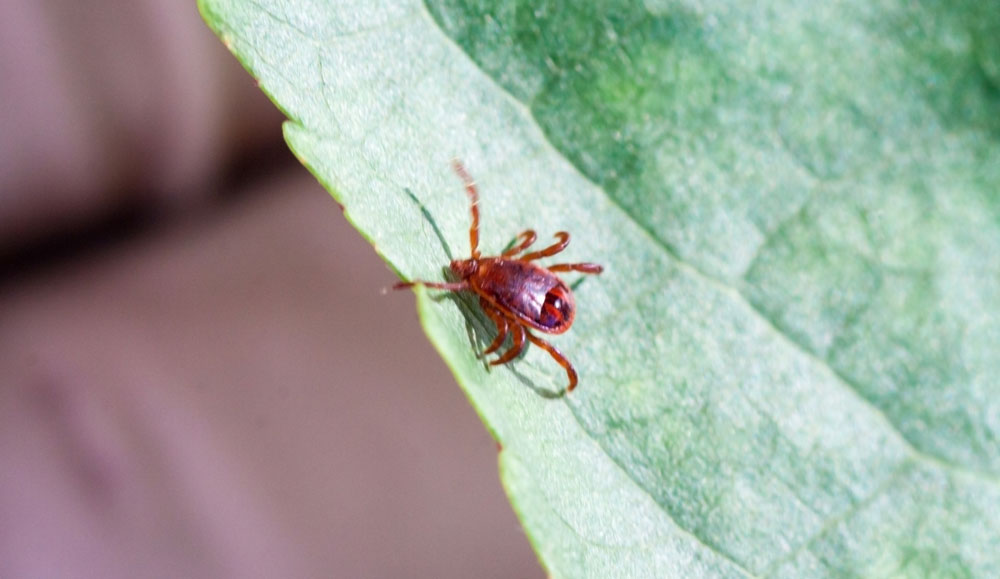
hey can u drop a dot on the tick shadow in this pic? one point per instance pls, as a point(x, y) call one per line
point(480, 329)
point(434, 226)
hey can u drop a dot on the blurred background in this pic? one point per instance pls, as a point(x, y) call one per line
point(200, 375)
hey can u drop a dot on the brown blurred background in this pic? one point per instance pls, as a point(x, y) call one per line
point(201, 376)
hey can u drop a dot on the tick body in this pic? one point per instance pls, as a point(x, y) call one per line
point(516, 293)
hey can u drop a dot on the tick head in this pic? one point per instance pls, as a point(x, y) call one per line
point(464, 268)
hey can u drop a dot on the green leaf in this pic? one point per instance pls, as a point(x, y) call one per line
point(790, 365)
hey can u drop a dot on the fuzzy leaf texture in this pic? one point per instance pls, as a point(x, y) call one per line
point(790, 365)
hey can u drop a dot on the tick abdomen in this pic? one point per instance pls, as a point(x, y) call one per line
point(532, 293)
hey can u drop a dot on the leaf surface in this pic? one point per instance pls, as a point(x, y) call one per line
point(790, 365)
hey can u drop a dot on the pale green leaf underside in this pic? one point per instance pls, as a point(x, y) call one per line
point(789, 367)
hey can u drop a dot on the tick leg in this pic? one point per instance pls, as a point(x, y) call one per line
point(558, 357)
point(470, 188)
point(455, 287)
point(501, 324)
point(527, 238)
point(580, 267)
point(553, 249)
point(515, 350)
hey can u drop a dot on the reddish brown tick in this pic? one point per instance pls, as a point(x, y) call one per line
point(515, 293)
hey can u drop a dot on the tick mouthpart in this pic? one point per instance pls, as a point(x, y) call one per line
point(464, 268)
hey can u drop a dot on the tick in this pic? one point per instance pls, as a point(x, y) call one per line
point(516, 293)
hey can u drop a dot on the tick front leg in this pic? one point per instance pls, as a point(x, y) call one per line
point(580, 267)
point(558, 357)
point(454, 287)
point(553, 249)
point(470, 188)
point(516, 349)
